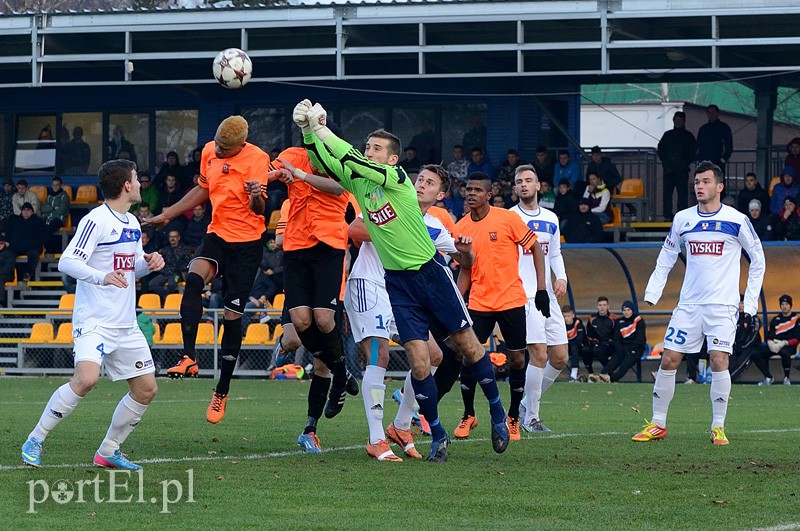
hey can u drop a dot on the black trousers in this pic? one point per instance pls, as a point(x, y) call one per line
point(676, 181)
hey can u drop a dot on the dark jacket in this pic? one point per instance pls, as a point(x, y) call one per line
point(793, 161)
point(583, 228)
point(600, 328)
point(607, 171)
point(56, 206)
point(565, 204)
point(676, 149)
point(745, 196)
point(630, 334)
point(789, 228)
point(23, 234)
point(765, 226)
point(714, 142)
point(272, 260)
point(195, 230)
point(176, 259)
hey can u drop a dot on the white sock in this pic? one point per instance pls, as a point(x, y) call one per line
point(60, 405)
point(720, 392)
point(550, 375)
point(663, 391)
point(573, 373)
point(373, 391)
point(127, 415)
point(402, 421)
point(533, 392)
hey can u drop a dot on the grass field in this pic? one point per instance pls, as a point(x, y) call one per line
point(248, 472)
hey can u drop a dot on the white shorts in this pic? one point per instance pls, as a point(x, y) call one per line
point(692, 323)
point(538, 329)
point(368, 309)
point(123, 351)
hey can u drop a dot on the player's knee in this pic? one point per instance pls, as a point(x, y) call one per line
point(301, 319)
point(83, 383)
point(325, 321)
point(290, 341)
point(145, 392)
point(516, 359)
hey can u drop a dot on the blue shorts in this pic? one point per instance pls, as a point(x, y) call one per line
point(425, 298)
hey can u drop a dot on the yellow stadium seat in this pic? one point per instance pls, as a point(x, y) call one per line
point(149, 301)
point(67, 223)
point(65, 305)
point(68, 190)
point(173, 301)
point(40, 333)
point(13, 283)
point(86, 194)
point(258, 334)
point(616, 219)
point(278, 301)
point(156, 333)
point(171, 336)
point(772, 183)
point(631, 189)
point(40, 191)
point(205, 334)
point(64, 335)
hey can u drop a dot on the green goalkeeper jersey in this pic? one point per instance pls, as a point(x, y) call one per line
point(387, 199)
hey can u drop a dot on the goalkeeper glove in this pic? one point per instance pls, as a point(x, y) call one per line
point(300, 116)
point(317, 117)
point(542, 302)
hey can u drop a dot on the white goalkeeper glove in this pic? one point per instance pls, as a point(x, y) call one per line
point(300, 116)
point(775, 345)
point(317, 117)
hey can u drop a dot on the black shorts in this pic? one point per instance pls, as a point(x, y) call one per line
point(511, 322)
point(237, 264)
point(286, 319)
point(313, 277)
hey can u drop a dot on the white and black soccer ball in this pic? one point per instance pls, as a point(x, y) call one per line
point(232, 68)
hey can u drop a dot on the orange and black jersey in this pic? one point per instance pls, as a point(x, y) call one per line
point(630, 332)
point(785, 328)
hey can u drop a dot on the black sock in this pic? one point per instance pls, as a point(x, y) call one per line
point(231, 344)
point(191, 312)
point(468, 384)
point(516, 379)
point(332, 349)
point(317, 396)
point(311, 338)
point(448, 371)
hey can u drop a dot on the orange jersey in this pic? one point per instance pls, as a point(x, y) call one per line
point(313, 216)
point(445, 217)
point(496, 285)
point(232, 219)
point(280, 228)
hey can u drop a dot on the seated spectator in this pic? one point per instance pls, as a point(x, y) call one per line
point(793, 155)
point(197, 226)
point(56, 207)
point(169, 194)
point(630, 340)
point(599, 197)
point(25, 235)
point(782, 339)
point(6, 208)
point(193, 167)
point(583, 226)
point(752, 190)
point(604, 168)
point(566, 169)
point(787, 187)
point(172, 166)
point(788, 221)
point(148, 243)
point(269, 280)
point(498, 201)
point(176, 261)
point(411, 164)
point(25, 195)
point(442, 204)
point(576, 336)
point(505, 175)
point(144, 214)
point(566, 202)
point(544, 164)
point(150, 195)
point(599, 336)
point(480, 163)
point(547, 197)
point(458, 167)
point(763, 224)
point(456, 197)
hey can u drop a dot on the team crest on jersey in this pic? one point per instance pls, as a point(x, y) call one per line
point(226, 169)
point(383, 215)
point(712, 248)
point(124, 261)
point(493, 236)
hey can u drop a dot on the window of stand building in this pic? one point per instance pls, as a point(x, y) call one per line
point(463, 124)
point(35, 151)
point(129, 138)
point(80, 142)
point(417, 127)
point(267, 128)
point(356, 123)
point(176, 131)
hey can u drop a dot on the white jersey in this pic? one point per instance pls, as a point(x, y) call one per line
point(714, 242)
point(368, 265)
point(543, 223)
point(104, 242)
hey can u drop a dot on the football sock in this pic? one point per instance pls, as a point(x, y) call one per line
point(332, 350)
point(448, 371)
point(533, 392)
point(231, 344)
point(468, 384)
point(373, 391)
point(402, 421)
point(317, 396)
point(127, 415)
point(191, 312)
point(60, 405)
point(516, 380)
point(310, 338)
point(663, 391)
point(550, 375)
point(720, 392)
point(425, 393)
point(573, 373)
point(483, 373)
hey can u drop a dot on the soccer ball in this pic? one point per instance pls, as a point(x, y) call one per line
point(232, 68)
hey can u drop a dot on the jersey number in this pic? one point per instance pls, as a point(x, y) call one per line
point(380, 326)
point(680, 336)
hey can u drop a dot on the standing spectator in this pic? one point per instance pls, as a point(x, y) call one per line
point(714, 140)
point(787, 187)
point(752, 190)
point(56, 207)
point(505, 175)
point(630, 340)
point(547, 197)
point(544, 164)
point(599, 335)
point(119, 147)
point(458, 167)
point(25, 234)
point(6, 195)
point(788, 221)
point(427, 145)
point(763, 223)
point(176, 261)
point(475, 137)
point(196, 227)
point(411, 163)
point(479, 163)
point(782, 339)
point(793, 158)
point(576, 337)
point(604, 168)
point(172, 166)
point(676, 149)
point(77, 154)
point(583, 226)
point(25, 195)
point(599, 197)
point(569, 170)
point(566, 203)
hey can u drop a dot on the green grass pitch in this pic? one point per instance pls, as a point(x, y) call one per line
point(248, 472)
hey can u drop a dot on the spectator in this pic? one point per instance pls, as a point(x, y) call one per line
point(145, 325)
point(583, 226)
point(604, 168)
point(169, 194)
point(544, 165)
point(505, 175)
point(479, 163)
point(427, 145)
point(714, 140)
point(454, 203)
point(411, 164)
point(498, 201)
point(77, 154)
point(788, 186)
point(599, 336)
point(458, 167)
point(566, 203)
point(268, 283)
point(144, 214)
point(148, 242)
point(149, 193)
point(569, 170)
point(782, 339)
point(630, 340)
point(547, 197)
point(171, 166)
point(25, 195)
point(576, 336)
point(6, 195)
point(793, 158)
point(752, 190)
point(56, 207)
point(25, 235)
point(599, 197)
point(119, 147)
point(788, 221)
point(676, 149)
point(476, 137)
point(176, 262)
point(193, 167)
point(763, 224)
point(197, 226)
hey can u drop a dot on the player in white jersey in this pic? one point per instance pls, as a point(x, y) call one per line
point(371, 320)
point(106, 258)
point(546, 337)
point(707, 310)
